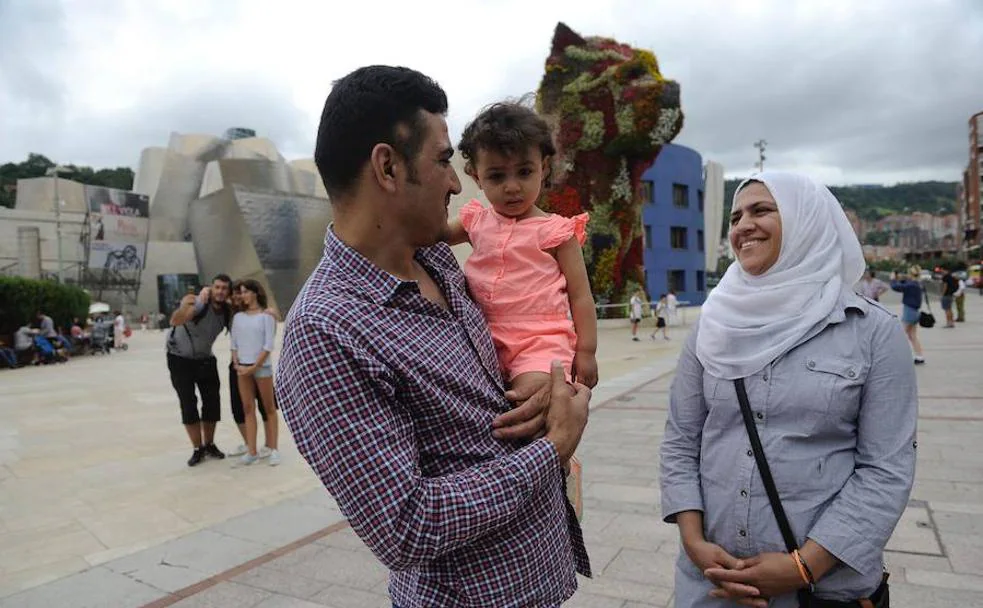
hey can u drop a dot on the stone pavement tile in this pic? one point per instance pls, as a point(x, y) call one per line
point(645, 533)
point(357, 569)
point(959, 523)
point(612, 492)
point(225, 595)
point(280, 524)
point(958, 507)
point(128, 525)
point(94, 588)
point(639, 605)
point(11, 583)
point(965, 552)
point(898, 563)
point(945, 580)
point(338, 596)
point(601, 556)
point(646, 567)
point(917, 596)
point(582, 599)
point(626, 590)
point(283, 601)
point(185, 561)
point(592, 504)
point(27, 549)
point(282, 582)
point(915, 533)
point(343, 539)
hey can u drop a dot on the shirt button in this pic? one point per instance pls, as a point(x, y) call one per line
point(811, 365)
point(765, 377)
point(750, 453)
point(760, 416)
point(743, 493)
point(851, 374)
point(743, 532)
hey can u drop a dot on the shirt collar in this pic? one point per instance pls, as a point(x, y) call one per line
point(848, 300)
point(355, 270)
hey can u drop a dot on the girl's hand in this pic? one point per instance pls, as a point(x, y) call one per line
point(585, 369)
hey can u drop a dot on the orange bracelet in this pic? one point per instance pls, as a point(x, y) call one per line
point(802, 570)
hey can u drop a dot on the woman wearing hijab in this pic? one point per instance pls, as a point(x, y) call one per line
point(832, 396)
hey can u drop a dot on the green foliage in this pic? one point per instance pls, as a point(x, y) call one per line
point(877, 237)
point(37, 164)
point(21, 298)
point(876, 202)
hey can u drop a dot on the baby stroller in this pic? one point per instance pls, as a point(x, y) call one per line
point(100, 339)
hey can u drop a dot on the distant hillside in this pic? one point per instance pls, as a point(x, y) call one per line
point(875, 202)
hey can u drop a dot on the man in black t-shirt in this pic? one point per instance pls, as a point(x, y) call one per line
point(949, 288)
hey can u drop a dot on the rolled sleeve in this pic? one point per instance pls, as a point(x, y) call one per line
point(859, 522)
point(680, 452)
point(340, 404)
point(269, 333)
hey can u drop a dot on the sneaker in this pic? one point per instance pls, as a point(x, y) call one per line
point(635, 339)
point(240, 450)
point(197, 456)
point(212, 450)
point(247, 459)
point(665, 337)
point(264, 452)
point(919, 360)
point(274, 458)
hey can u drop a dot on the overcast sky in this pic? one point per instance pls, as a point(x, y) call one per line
point(877, 91)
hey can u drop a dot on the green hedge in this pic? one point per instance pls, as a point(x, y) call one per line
point(21, 298)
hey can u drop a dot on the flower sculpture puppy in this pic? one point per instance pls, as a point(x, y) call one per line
point(614, 111)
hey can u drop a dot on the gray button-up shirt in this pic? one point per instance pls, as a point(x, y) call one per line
point(836, 416)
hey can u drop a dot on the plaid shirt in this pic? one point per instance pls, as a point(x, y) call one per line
point(390, 399)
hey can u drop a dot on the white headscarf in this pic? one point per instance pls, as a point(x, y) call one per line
point(749, 321)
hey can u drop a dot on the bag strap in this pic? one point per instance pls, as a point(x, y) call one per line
point(764, 469)
point(925, 299)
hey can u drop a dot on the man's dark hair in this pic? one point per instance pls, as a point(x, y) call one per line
point(222, 277)
point(367, 107)
point(507, 128)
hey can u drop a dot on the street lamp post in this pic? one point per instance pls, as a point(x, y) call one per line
point(53, 171)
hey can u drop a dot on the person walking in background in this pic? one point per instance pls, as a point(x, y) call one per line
point(635, 312)
point(659, 313)
point(672, 304)
point(911, 304)
point(253, 333)
point(235, 397)
point(960, 299)
point(871, 287)
point(949, 288)
point(119, 328)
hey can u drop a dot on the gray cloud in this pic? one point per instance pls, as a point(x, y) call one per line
point(879, 92)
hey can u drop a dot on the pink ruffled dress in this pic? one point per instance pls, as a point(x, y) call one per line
point(516, 279)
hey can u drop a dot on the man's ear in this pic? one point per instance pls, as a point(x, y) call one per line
point(383, 161)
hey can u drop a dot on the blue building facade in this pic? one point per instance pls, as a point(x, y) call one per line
point(672, 225)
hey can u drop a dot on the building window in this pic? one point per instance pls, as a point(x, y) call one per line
point(647, 189)
point(699, 240)
point(700, 281)
point(699, 194)
point(677, 237)
point(648, 236)
point(676, 280)
point(680, 195)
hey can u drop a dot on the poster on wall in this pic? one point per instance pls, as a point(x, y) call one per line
point(118, 228)
point(122, 258)
point(110, 201)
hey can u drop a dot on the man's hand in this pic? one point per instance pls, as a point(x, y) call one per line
point(771, 574)
point(585, 369)
point(189, 300)
point(528, 419)
point(567, 416)
point(205, 295)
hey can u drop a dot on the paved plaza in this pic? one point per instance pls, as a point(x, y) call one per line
point(98, 509)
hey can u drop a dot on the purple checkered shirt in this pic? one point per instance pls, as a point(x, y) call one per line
point(390, 399)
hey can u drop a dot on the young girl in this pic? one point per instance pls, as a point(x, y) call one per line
point(253, 332)
point(660, 312)
point(527, 270)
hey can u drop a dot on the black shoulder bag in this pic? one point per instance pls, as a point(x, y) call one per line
point(879, 599)
point(926, 319)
